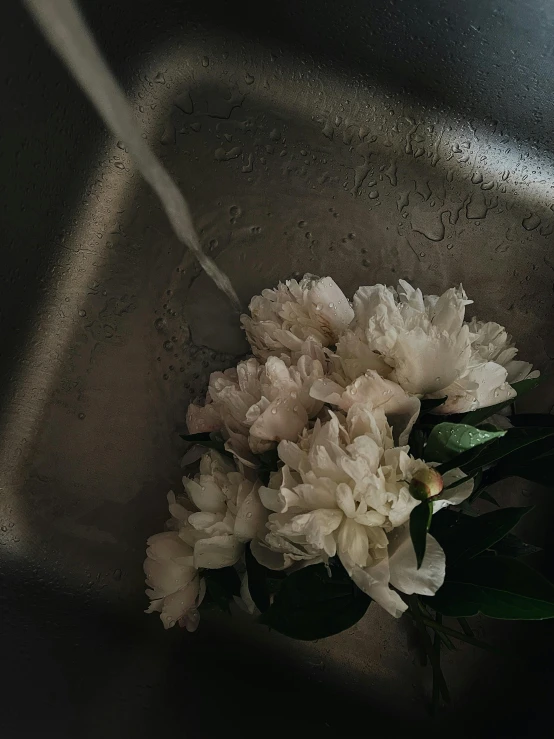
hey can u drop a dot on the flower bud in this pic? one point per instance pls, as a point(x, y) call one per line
point(426, 483)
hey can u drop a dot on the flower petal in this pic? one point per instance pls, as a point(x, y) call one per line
point(206, 495)
point(479, 387)
point(283, 419)
point(217, 552)
point(352, 540)
point(180, 603)
point(202, 419)
point(457, 494)
point(404, 574)
point(251, 518)
point(374, 581)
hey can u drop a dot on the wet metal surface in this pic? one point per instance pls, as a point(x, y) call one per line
point(381, 142)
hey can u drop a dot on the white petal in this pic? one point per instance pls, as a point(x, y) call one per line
point(328, 392)
point(283, 419)
point(251, 518)
point(404, 574)
point(217, 552)
point(458, 494)
point(206, 496)
point(245, 601)
point(518, 371)
point(334, 308)
point(179, 603)
point(291, 454)
point(317, 526)
point(425, 362)
point(480, 387)
point(356, 357)
point(203, 418)
point(345, 500)
point(352, 541)
point(268, 558)
point(374, 581)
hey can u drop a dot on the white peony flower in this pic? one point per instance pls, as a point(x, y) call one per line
point(259, 404)
point(428, 349)
point(491, 370)
point(344, 490)
point(422, 338)
point(175, 588)
point(370, 388)
point(229, 513)
point(283, 319)
point(492, 343)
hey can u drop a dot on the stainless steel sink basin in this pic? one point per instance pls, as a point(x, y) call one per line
point(370, 142)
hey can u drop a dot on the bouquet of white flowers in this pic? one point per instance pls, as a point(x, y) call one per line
point(322, 460)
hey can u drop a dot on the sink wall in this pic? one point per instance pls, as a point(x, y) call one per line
point(382, 142)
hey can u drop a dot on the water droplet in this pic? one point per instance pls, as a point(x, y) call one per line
point(301, 224)
point(531, 222)
point(331, 305)
point(294, 394)
point(249, 79)
point(160, 324)
point(159, 78)
point(318, 307)
point(120, 165)
point(274, 411)
point(205, 61)
point(234, 211)
point(81, 416)
point(82, 313)
point(168, 345)
point(295, 409)
point(373, 194)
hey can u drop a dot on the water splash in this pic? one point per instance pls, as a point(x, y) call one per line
point(66, 30)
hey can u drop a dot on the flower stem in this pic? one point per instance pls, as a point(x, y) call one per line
point(466, 628)
point(429, 647)
point(457, 634)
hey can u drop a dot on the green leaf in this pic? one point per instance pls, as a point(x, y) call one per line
point(428, 404)
point(222, 585)
point(499, 587)
point(474, 418)
point(206, 439)
point(448, 440)
point(512, 546)
point(520, 443)
point(420, 521)
point(311, 604)
point(471, 536)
